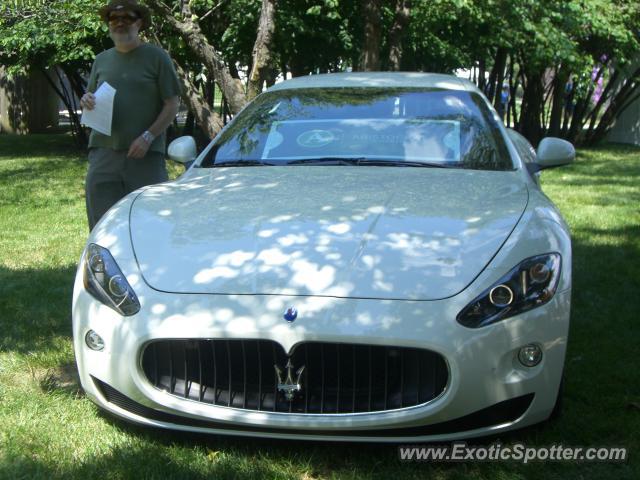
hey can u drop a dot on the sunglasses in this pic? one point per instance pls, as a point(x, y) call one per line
point(126, 19)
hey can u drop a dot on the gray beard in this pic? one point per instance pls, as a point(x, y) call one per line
point(122, 38)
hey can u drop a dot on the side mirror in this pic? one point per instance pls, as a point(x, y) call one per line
point(183, 150)
point(554, 152)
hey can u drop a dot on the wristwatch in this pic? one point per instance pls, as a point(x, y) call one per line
point(148, 137)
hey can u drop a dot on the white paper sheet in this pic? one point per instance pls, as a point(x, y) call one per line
point(100, 117)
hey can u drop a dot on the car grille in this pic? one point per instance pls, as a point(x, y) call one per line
point(336, 379)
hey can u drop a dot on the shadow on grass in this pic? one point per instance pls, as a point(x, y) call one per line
point(38, 145)
point(40, 169)
point(35, 308)
point(63, 379)
point(611, 165)
point(622, 148)
point(161, 454)
point(144, 460)
point(606, 266)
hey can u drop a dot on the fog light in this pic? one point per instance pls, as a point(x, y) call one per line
point(94, 341)
point(530, 355)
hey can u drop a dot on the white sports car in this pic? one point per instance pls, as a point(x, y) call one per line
point(358, 256)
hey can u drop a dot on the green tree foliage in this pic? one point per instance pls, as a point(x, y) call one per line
point(56, 37)
point(311, 35)
point(534, 46)
point(316, 36)
point(47, 33)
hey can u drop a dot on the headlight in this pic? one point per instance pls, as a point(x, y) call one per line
point(105, 281)
point(529, 285)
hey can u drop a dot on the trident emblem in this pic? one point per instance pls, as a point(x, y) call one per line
point(289, 386)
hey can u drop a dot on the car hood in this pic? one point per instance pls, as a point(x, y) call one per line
point(363, 232)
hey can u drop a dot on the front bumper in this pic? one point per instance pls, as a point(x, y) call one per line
point(488, 390)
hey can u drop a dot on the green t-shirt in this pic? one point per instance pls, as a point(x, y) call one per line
point(143, 79)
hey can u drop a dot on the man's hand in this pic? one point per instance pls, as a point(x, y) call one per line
point(88, 101)
point(138, 148)
point(140, 145)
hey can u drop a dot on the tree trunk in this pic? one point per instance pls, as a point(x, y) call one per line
point(512, 93)
point(233, 70)
point(518, 79)
point(531, 108)
point(209, 90)
point(69, 99)
point(27, 104)
point(297, 68)
point(496, 77)
point(190, 31)
point(482, 81)
point(209, 121)
point(262, 55)
point(400, 21)
point(272, 76)
point(582, 104)
point(626, 95)
point(559, 82)
point(77, 82)
point(592, 118)
point(372, 35)
point(547, 95)
point(577, 128)
point(77, 131)
point(189, 123)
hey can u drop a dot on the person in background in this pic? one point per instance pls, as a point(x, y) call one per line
point(504, 100)
point(569, 104)
point(145, 104)
point(597, 78)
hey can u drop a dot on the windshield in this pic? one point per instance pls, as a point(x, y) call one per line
point(363, 126)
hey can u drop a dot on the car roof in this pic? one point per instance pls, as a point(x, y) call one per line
point(377, 80)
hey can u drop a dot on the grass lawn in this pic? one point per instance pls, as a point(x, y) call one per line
point(48, 429)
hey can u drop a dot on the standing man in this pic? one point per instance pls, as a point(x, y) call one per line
point(145, 104)
point(504, 100)
point(569, 104)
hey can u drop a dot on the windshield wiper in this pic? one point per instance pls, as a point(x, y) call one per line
point(242, 163)
point(359, 161)
point(401, 163)
point(369, 162)
point(327, 161)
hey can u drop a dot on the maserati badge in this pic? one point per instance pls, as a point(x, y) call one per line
point(288, 385)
